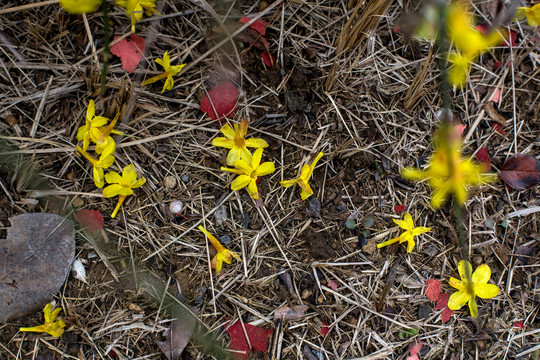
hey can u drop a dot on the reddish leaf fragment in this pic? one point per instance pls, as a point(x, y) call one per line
point(433, 289)
point(258, 25)
point(496, 65)
point(178, 335)
point(446, 314)
point(130, 50)
point(498, 128)
point(268, 59)
point(91, 220)
point(220, 101)
point(294, 312)
point(519, 325)
point(521, 171)
point(442, 304)
point(332, 284)
point(399, 208)
point(258, 338)
point(325, 329)
point(415, 351)
point(460, 128)
point(496, 93)
point(482, 155)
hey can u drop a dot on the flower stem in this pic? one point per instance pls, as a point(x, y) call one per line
point(121, 199)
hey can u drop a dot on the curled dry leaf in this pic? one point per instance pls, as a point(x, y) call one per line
point(78, 271)
point(521, 171)
point(494, 114)
point(294, 312)
point(178, 335)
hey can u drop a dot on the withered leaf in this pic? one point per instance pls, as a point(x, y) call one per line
point(294, 312)
point(178, 335)
point(35, 259)
point(521, 171)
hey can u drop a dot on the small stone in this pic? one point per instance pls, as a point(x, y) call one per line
point(368, 222)
point(78, 202)
point(11, 120)
point(169, 182)
point(424, 310)
point(490, 224)
point(185, 178)
point(221, 214)
point(176, 207)
point(314, 207)
point(245, 220)
point(370, 247)
point(350, 224)
point(320, 299)
point(341, 207)
point(225, 239)
point(135, 307)
point(306, 293)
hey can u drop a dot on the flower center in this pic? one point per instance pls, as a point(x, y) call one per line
point(239, 142)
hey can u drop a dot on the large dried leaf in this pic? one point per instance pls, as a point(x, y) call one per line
point(521, 171)
point(178, 335)
point(34, 262)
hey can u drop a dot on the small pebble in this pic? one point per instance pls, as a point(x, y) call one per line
point(169, 182)
point(350, 224)
point(424, 310)
point(225, 239)
point(176, 207)
point(245, 220)
point(185, 178)
point(314, 207)
point(341, 207)
point(368, 222)
point(78, 202)
point(221, 214)
point(490, 224)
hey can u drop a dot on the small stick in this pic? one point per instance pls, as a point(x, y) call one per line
point(27, 6)
point(40, 108)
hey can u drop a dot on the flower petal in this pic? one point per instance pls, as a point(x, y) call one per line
point(287, 183)
point(257, 156)
point(240, 182)
point(388, 242)
point(98, 176)
point(113, 177)
point(227, 131)
point(458, 284)
point(413, 174)
point(242, 129)
point(138, 183)
point(129, 174)
point(465, 271)
point(169, 84)
point(233, 156)
point(99, 121)
point(256, 143)
point(486, 291)
point(223, 142)
point(457, 300)
point(252, 190)
point(266, 168)
point(410, 244)
point(111, 190)
point(91, 110)
point(472, 306)
point(420, 230)
point(408, 221)
point(306, 190)
point(401, 223)
point(243, 166)
point(481, 275)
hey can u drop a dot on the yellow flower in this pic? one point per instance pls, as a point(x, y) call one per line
point(235, 140)
point(105, 160)
point(135, 8)
point(223, 254)
point(122, 185)
point(409, 234)
point(468, 290)
point(91, 126)
point(461, 64)
point(249, 173)
point(102, 137)
point(169, 72)
point(51, 326)
point(447, 171)
point(303, 179)
point(80, 6)
point(532, 14)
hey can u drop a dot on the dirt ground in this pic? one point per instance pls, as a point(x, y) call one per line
point(371, 108)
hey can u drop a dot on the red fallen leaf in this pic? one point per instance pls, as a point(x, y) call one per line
point(90, 219)
point(496, 95)
point(482, 156)
point(415, 351)
point(498, 128)
point(519, 325)
point(130, 51)
point(521, 171)
point(442, 304)
point(399, 208)
point(460, 128)
point(332, 284)
point(222, 98)
point(433, 289)
point(508, 39)
point(325, 329)
point(268, 59)
point(258, 338)
point(258, 25)
point(496, 65)
point(397, 29)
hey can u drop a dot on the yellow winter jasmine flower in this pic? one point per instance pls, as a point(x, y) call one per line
point(80, 6)
point(105, 160)
point(92, 125)
point(101, 136)
point(447, 171)
point(122, 185)
point(249, 173)
point(461, 64)
point(223, 254)
point(469, 290)
point(303, 179)
point(169, 72)
point(409, 234)
point(532, 14)
point(235, 140)
point(135, 8)
point(51, 326)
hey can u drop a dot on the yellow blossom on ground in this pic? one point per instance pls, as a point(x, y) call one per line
point(80, 6)
point(169, 72)
point(105, 160)
point(469, 290)
point(409, 234)
point(223, 255)
point(135, 9)
point(92, 125)
point(532, 14)
point(249, 172)
point(51, 326)
point(235, 140)
point(122, 185)
point(447, 171)
point(102, 136)
point(303, 179)
point(457, 74)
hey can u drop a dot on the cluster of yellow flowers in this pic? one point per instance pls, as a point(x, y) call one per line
point(94, 130)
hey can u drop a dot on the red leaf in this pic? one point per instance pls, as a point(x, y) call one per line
point(460, 128)
point(521, 171)
point(433, 289)
point(268, 59)
point(223, 97)
point(415, 351)
point(332, 284)
point(498, 128)
point(130, 51)
point(258, 338)
point(90, 219)
point(399, 208)
point(482, 156)
point(442, 304)
point(325, 329)
point(258, 25)
point(496, 94)
point(446, 314)
point(519, 325)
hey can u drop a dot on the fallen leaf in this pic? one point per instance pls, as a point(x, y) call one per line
point(442, 304)
point(433, 289)
point(332, 285)
point(258, 338)
point(415, 351)
point(498, 128)
point(269, 59)
point(519, 325)
point(494, 114)
point(496, 96)
point(78, 270)
point(130, 50)
point(253, 38)
point(399, 208)
point(90, 220)
point(482, 155)
point(294, 312)
point(521, 171)
point(460, 128)
point(35, 260)
point(177, 336)
point(325, 329)
point(258, 25)
point(220, 101)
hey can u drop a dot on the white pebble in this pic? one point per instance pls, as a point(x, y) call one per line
point(176, 207)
